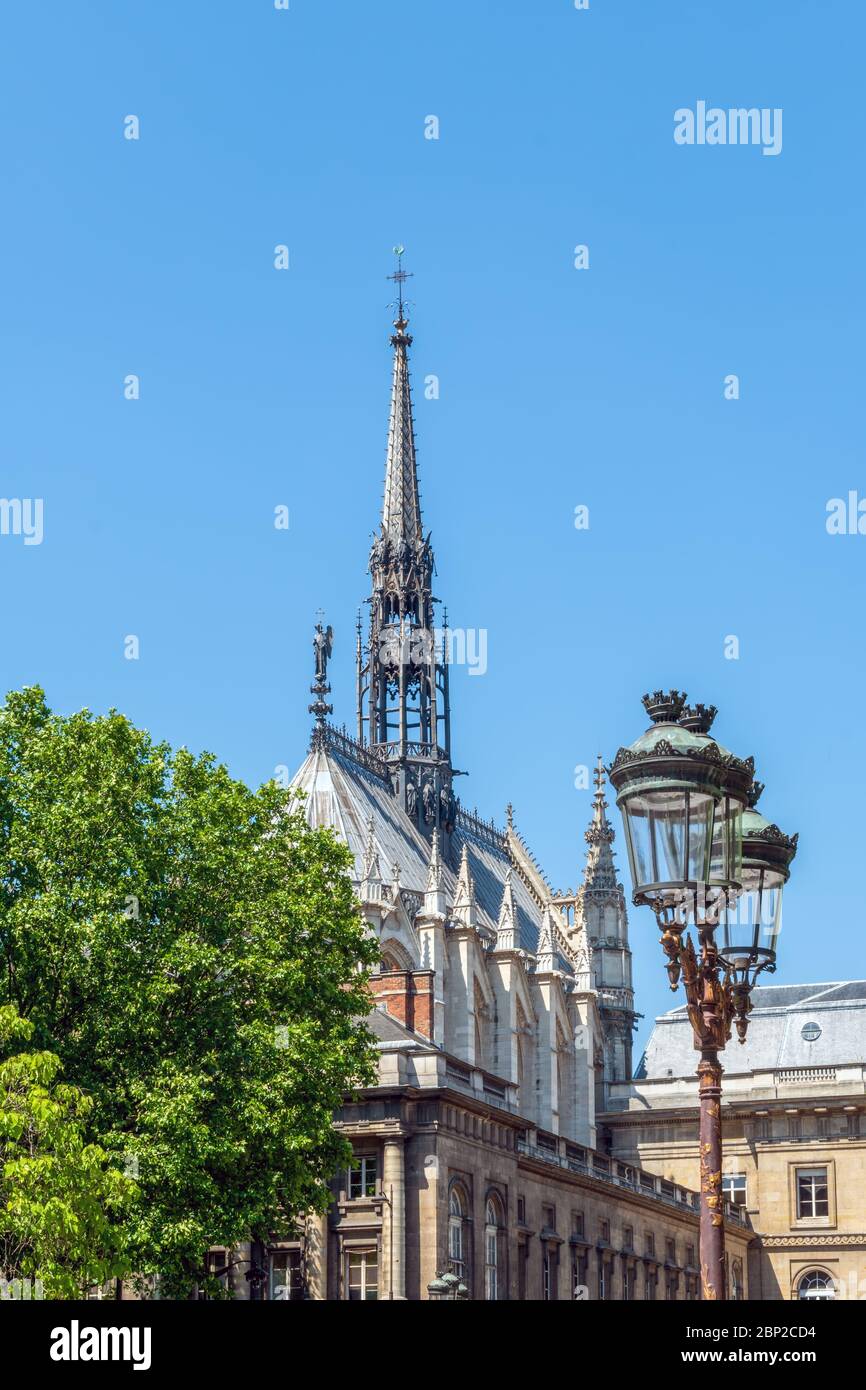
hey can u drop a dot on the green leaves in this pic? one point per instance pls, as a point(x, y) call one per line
point(60, 1201)
point(191, 952)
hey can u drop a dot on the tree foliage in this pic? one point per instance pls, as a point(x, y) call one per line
point(191, 951)
point(61, 1203)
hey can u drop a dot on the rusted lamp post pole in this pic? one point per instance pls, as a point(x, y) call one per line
point(683, 800)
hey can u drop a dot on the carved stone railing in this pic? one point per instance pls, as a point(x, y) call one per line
point(799, 1076)
point(325, 737)
point(486, 830)
point(393, 752)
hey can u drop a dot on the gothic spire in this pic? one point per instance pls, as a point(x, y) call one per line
point(506, 927)
point(401, 511)
point(434, 871)
point(403, 706)
point(463, 907)
point(600, 872)
point(371, 883)
point(545, 955)
point(600, 944)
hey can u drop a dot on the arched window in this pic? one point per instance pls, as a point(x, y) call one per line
point(736, 1281)
point(493, 1233)
point(393, 957)
point(815, 1283)
point(457, 1209)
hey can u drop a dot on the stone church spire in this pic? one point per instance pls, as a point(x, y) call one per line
point(600, 872)
point(602, 915)
point(401, 509)
point(403, 695)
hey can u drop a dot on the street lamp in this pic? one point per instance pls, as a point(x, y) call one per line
point(751, 922)
point(683, 798)
point(447, 1286)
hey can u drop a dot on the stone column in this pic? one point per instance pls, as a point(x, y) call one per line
point(317, 1257)
point(394, 1190)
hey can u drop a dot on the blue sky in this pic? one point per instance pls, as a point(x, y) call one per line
point(559, 387)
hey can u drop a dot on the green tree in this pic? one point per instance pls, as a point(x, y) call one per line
point(60, 1201)
point(192, 952)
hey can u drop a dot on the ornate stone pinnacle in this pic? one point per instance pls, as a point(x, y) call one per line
point(664, 707)
point(600, 830)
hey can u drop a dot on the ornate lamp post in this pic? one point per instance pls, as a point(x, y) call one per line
point(682, 798)
point(447, 1286)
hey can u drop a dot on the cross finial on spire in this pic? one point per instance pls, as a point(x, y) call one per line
point(400, 277)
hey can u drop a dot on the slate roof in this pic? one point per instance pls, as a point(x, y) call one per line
point(385, 1028)
point(775, 1037)
point(344, 793)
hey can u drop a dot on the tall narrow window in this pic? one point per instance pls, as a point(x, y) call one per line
point(363, 1175)
point(286, 1282)
point(547, 1273)
point(456, 1219)
point(492, 1250)
point(362, 1276)
point(812, 1192)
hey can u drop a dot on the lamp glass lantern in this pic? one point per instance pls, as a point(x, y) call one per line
point(752, 921)
point(682, 798)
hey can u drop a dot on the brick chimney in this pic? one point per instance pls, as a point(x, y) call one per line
point(406, 995)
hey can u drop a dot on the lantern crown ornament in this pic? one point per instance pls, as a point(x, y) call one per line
point(698, 718)
point(664, 706)
point(682, 797)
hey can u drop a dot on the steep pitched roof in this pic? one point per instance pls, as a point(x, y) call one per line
point(345, 792)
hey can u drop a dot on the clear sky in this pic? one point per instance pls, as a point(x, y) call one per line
point(559, 387)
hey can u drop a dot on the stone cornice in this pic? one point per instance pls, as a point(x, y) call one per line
point(812, 1242)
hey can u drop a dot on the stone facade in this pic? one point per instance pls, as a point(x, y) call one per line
point(794, 1132)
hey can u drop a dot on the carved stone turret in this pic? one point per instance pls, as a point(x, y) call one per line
point(601, 929)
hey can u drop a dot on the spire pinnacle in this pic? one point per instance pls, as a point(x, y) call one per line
point(463, 909)
point(403, 699)
point(434, 872)
point(506, 926)
point(401, 512)
point(600, 829)
point(372, 871)
point(545, 957)
point(600, 872)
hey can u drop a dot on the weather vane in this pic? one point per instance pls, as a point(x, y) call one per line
point(400, 277)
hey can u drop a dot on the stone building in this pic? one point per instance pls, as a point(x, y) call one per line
point(504, 1010)
point(794, 1156)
